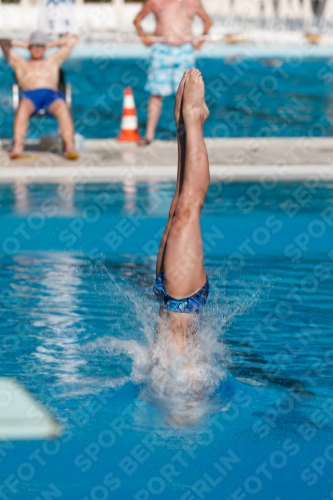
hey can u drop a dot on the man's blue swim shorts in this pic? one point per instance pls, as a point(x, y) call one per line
point(167, 65)
point(190, 305)
point(42, 98)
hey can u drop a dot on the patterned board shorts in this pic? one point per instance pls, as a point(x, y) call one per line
point(167, 66)
point(189, 305)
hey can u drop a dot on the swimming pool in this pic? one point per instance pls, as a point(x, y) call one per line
point(78, 317)
point(246, 97)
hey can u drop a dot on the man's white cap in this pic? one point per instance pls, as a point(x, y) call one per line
point(37, 38)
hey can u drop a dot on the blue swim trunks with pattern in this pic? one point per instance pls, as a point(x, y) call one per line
point(167, 66)
point(190, 305)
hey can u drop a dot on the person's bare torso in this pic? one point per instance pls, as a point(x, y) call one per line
point(174, 19)
point(32, 75)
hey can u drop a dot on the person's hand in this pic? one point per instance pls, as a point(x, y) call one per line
point(147, 40)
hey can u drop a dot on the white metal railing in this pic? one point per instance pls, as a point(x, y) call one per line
point(117, 16)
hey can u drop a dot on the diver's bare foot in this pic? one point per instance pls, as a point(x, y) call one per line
point(179, 97)
point(194, 106)
point(15, 153)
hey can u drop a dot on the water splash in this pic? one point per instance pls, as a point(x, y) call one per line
point(186, 383)
point(181, 383)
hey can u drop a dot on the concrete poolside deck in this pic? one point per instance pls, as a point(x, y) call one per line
point(231, 160)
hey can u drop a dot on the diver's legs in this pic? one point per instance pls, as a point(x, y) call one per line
point(182, 263)
point(181, 150)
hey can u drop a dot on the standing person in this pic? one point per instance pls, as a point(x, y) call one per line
point(181, 285)
point(38, 80)
point(169, 60)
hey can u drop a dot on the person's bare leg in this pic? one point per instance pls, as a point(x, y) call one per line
point(60, 110)
point(184, 272)
point(23, 113)
point(154, 112)
point(181, 149)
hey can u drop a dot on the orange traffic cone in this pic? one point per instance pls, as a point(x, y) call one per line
point(129, 120)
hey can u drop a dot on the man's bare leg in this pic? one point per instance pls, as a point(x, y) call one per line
point(154, 112)
point(23, 113)
point(60, 110)
point(181, 150)
point(183, 268)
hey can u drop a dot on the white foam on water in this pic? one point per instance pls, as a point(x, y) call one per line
point(180, 382)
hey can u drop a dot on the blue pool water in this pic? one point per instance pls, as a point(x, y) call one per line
point(77, 329)
point(246, 97)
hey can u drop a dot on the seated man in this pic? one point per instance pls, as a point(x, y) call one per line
point(38, 79)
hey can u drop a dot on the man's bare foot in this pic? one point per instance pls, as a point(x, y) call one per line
point(15, 153)
point(194, 106)
point(71, 154)
point(144, 142)
point(179, 97)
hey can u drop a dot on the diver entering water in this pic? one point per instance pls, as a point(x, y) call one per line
point(181, 285)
